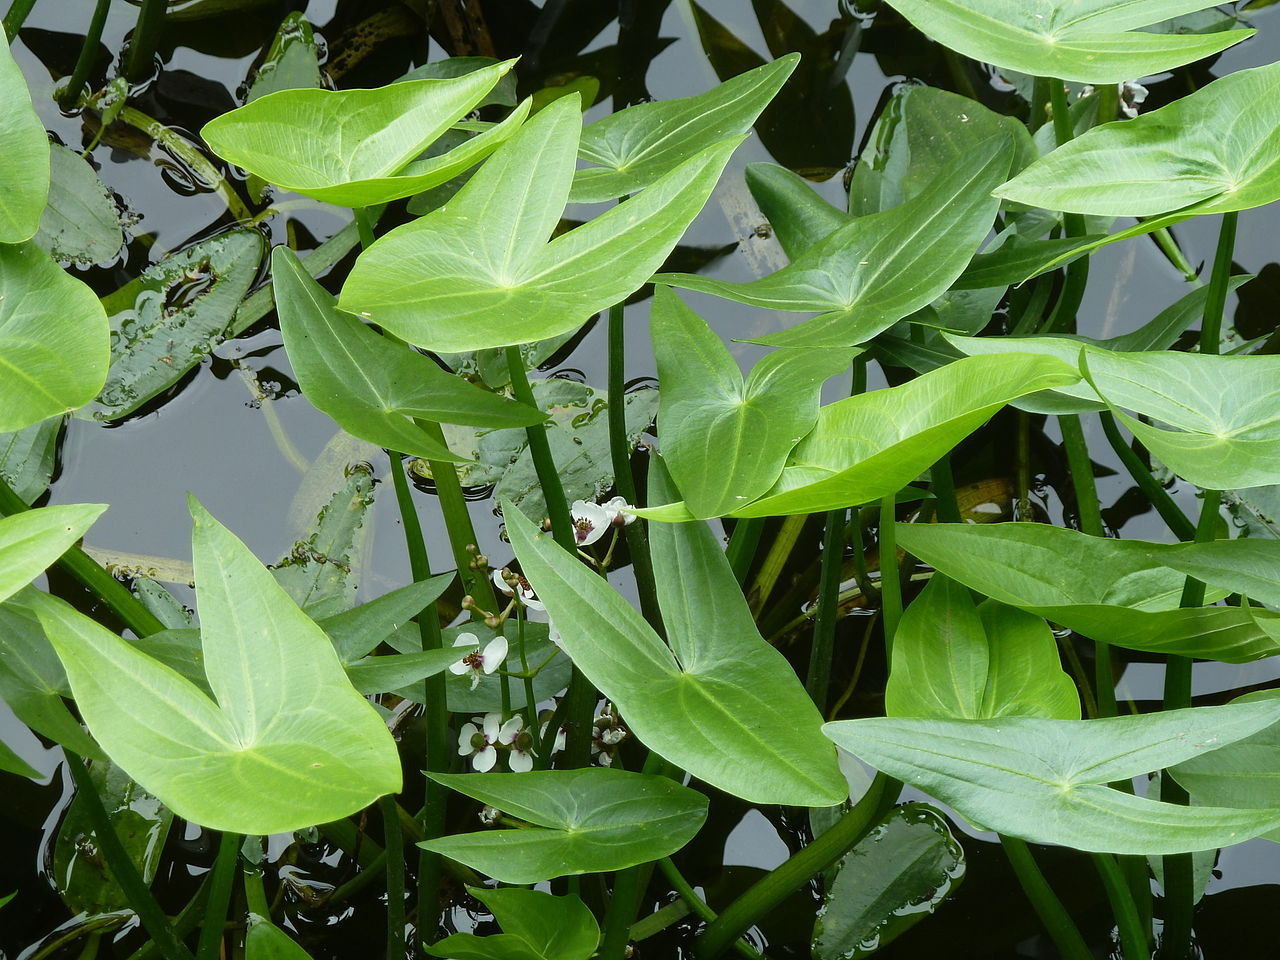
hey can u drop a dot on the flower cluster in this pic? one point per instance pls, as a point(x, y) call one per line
point(477, 661)
point(591, 520)
point(483, 736)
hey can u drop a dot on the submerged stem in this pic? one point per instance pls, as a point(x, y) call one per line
point(209, 946)
point(818, 678)
point(1133, 937)
point(1061, 928)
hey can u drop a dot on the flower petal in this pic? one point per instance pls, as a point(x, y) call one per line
point(492, 724)
point(495, 654)
point(519, 761)
point(511, 729)
point(483, 761)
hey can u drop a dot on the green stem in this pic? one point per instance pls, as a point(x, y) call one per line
point(1211, 328)
point(209, 946)
point(187, 920)
point(890, 587)
point(1090, 514)
point(742, 546)
point(70, 94)
point(943, 485)
point(255, 894)
point(1061, 928)
point(629, 886)
point(430, 867)
point(1108, 102)
point(1133, 938)
point(122, 868)
point(1165, 241)
point(144, 40)
point(1063, 317)
point(1158, 497)
point(394, 841)
point(129, 609)
point(582, 695)
point(774, 561)
point(620, 456)
point(698, 906)
point(16, 16)
point(818, 679)
point(802, 866)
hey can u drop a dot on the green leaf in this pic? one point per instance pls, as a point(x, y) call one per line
point(720, 703)
point(354, 147)
point(503, 92)
point(952, 660)
point(799, 216)
point(1045, 780)
point(32, 681)
point(1224, 411)
point(635, 146)
point(370, 386)
point(317, 571)
point(480, 273)
point(1090, 41)
point(1193, 151)
point(389, 672)
point(142, 822)
point(872, 445)
point(53, 338)
point(584, 821)
point(356, 631)
point(289, 743)
point(266, 941)
point(1247, 566)
point(888, 882)
point(27, 458)
point(877, 269)
point(724, 441)
point(80, 222)
point(1113, 591)
point(31, 541)
point(292, 62)
point(553, 676)
point(10, 762)
point(578, 432)
point(170, 317)
point(24, 175)
point(535, 925)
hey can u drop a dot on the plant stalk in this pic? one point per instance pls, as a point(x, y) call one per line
point(699, 907)
point(16, 16)
point(818, 679)
point(70, 94)
point(1057, 922)
point(1215, 303)
point(742, 546)
point(122, 868)
point(1133, 938)
point(213, 926)
point(1159, 498)
point(808, 862)
point(394, 840)
point(890, 585)
point(144, 41)
point(1063, 317)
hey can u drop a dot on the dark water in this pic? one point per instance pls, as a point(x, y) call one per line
point(247, 459)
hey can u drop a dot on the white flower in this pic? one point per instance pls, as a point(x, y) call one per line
point(1132, 95)
point(477, 742)
point(476, 661)
point(591, 520)
point(520, 759)
point(527, 596)
point(561, 736)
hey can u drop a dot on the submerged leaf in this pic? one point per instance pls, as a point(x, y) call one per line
point(80, 223)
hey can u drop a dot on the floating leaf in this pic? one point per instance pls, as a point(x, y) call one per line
point(751, 426)
point(578, 431)
point(480, 273)
point(53, 338)
point(24, 175)
point(1113, 591)
point(372, 387)
point(355, 147)
point(1045, 780)
point(266, 941)
point(954, 660)
point(888, 882)
point(289, 743)
point(1095, 41)
point(877, 269)
point(536, 926)
point(169, 318)
point(83, 879)
point(80, 222)
point(1199, 150)
point(635, 146)
point(292, 62)
point(721, 703)
point(27, 457)
point(584, 821)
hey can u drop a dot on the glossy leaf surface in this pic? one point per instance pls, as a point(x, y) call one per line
point(480, 273)
point(955, 660)
point(1045, 780)
point(80, 222)
point(31, 541)
point(877, 269)
point(1091, 41)
point(1114, 591)
point(289, 743)
point(720, 703)
point(535, 925)
point(584, 821)
point(53, 338)
point(24, 175)
point(1218, 147)
point(888, 882)
point(635, 146)
point(374, 388)
point(706, 406)
point(353, 147)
